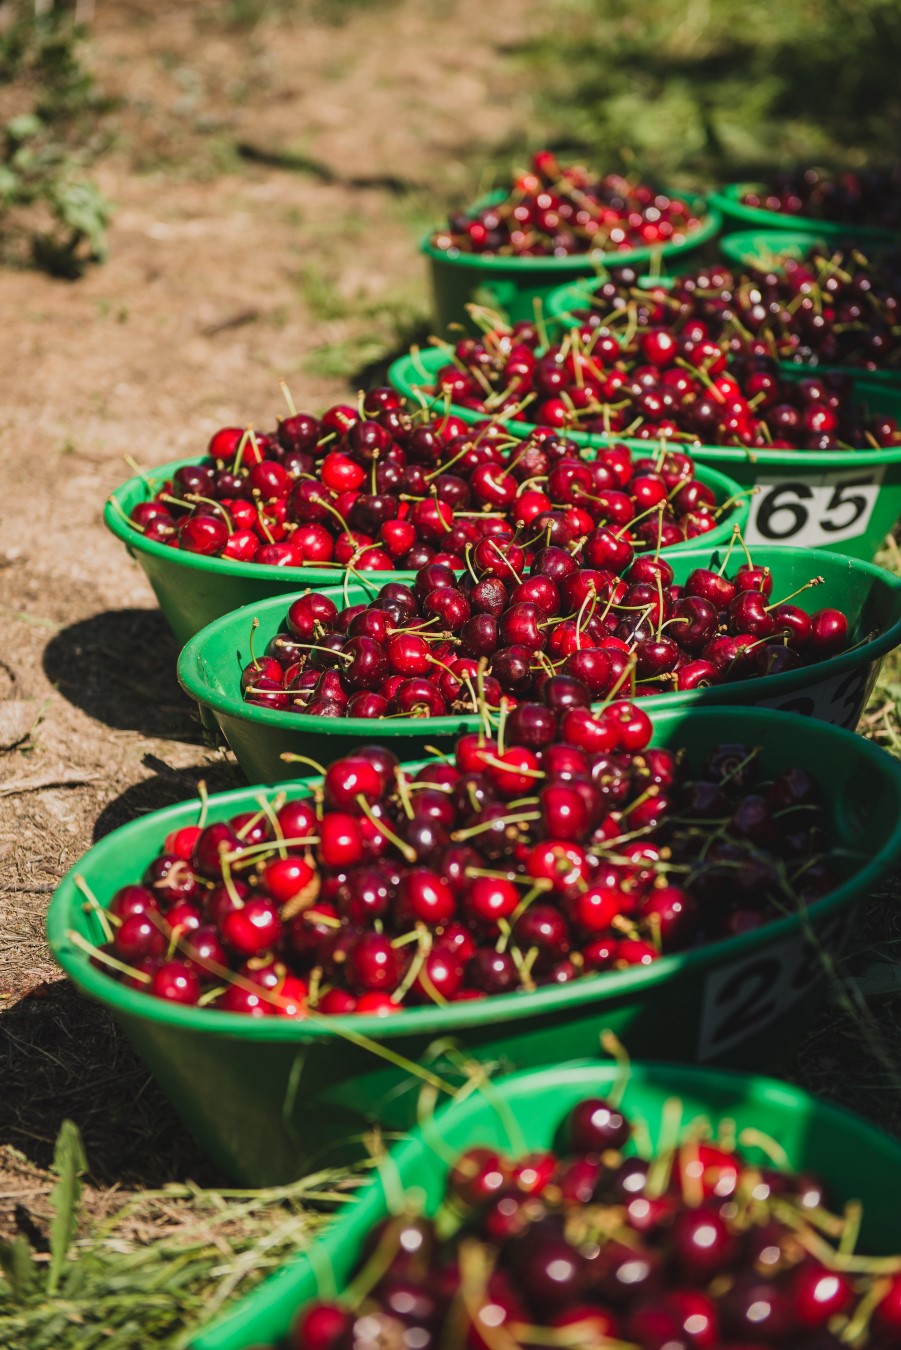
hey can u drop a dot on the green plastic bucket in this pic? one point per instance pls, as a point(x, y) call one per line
point(836, 691)
point(271, 1098)
point(754, 251)
point(853, 1160)
point(192, 590)
point(512, 285)
point(846, 501)
point(736, 216)
point(763, 251)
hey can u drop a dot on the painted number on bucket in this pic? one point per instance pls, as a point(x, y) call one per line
point(743, 997)
point(839, 700)
point(813, 511)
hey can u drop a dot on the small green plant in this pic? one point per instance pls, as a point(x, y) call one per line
point(106, 1285)
point(50, 209)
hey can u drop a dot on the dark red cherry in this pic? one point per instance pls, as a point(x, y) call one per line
point(594, 1126)
point(702, 1244)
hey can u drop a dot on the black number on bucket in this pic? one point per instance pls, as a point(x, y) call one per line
point(850, 696)
point(784, 501)
point(802, 704)
point(747, 1000)
point(828, 937)
point(857, 503)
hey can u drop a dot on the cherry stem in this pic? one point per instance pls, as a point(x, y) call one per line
point(415, 967)
point(227, 879)
point(405, 850)
point(513, 768)
point(614, 1047)
point(255, 623)
point(661, 1167)
point(194, 497)
point(204, 796)
point(123, 514)
point(99, 955)
point(327, 506)
point(403, 791)
point(269, 809)
point(94, 905)
point(460, 836)
point(814, 581)
point(732, 542)
point(286, 392)
point(240, 450)
point(291, 758)
point(657, 578)
point(501, 725)
point(592, 596)
point(659, 507)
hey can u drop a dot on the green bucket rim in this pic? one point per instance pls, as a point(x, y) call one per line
point(575, 263)
point(191, 665)
point(135, 541)
point(758, 1094)
point(726, 200)
point(410, 373)
point(743, 248)
point(759, 722)
point(722, 485)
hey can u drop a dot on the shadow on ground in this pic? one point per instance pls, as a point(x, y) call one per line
point(167, 787)
point(119, 667)
point(62, 1057)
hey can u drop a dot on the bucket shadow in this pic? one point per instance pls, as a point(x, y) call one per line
point(119, 667)
point(62, 1057)
point(167, 787)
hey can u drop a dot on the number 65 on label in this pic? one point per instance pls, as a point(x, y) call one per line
point(816, 510)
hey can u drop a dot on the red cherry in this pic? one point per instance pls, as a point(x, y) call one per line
point(254, 928)
point(340, 840)
point(377, 1004)
point(176, 982)
point(373, 964)
point(285, 878)
point(489, 899)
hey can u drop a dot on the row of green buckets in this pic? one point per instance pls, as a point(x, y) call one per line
point(512, 285)
point(844, 501)
point(274, 1097)
point(269, 1098)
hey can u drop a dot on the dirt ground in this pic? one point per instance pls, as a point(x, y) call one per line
point(270, 180)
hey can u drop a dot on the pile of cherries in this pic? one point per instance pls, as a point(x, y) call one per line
point(564, 847)
point(565, 633)
point(555, 211)
point(669, 381)
point(591, 1245)
point(833, 307)
point(870, 197)
point(378, 488)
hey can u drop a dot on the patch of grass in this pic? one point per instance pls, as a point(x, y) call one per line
point(364, 330)
point(110, 1287)
point(362, 356)
point(717, 90)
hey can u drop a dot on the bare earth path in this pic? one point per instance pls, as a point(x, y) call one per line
point(227, 271)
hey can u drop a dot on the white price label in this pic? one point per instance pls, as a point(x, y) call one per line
point(840, 699)
point(743, 997)
point(813, 510)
